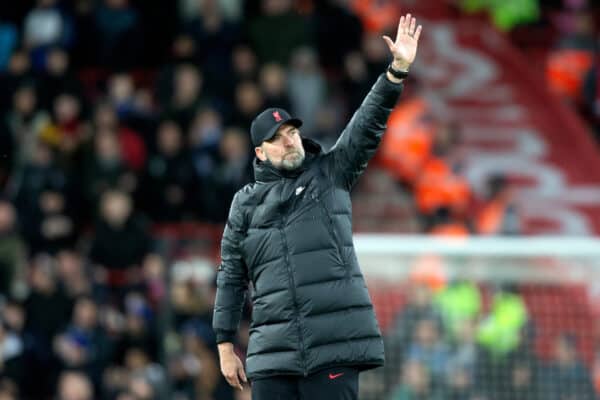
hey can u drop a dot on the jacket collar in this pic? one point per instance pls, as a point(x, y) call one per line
point(264, 171)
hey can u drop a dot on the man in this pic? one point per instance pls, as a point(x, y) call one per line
point(289, 234)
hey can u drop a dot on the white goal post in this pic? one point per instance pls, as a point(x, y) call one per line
point(574, 259)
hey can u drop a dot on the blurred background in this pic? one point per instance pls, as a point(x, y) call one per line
point(124, 133)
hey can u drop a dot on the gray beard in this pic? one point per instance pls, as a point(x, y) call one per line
point(287, 164)
point(292, 164)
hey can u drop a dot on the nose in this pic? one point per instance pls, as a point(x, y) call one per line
point(288, 141)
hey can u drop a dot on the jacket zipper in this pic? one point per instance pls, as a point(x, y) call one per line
point(338, 247)
point(296, 308)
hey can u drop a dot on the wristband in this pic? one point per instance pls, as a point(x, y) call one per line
point(397, 74)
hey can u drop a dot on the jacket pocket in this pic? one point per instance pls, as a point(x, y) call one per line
point(315, 196)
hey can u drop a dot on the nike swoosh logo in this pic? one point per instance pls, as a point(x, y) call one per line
point(333, 376)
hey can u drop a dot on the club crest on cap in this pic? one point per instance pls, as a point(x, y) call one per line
point(277, 116)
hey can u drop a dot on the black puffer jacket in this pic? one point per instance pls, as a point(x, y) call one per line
point(290, 234)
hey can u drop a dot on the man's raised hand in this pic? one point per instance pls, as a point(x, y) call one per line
point(404, 49)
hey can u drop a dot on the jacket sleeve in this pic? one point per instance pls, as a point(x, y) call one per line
point(232, 281)
point(359, 140)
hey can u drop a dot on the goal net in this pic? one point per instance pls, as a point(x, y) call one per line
point(484, 318)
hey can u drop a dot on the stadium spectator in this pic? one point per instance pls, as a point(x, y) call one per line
point(118, 34)
point(44, 26)
point(8, 41)
point(133, 147)
point(501, 334)
point(248, 100)
point(138, 332)
point(416, 383)
point(139, 367)
point(566, 375)
point(573, 56)
point(39, 173)
point(66, 131)
point(119, 245)
point(74, 386)
point(214, 38)
point(499, 214)
point(106, 168)
point(501, 331)
point(462, 364)
point(459, 303)
point(84, 345)
point(338, 32)
point(129, 101)
point(429, 348)
point(376, 16)
point(58, 77)
point(8, 390)
point(278, 31)
point(186, 95)
point(375, 53)
point(235, 169)
point(12, 250)
point(273, 82)
point(13, 317)
point(327, 124)
point(443, 224)
point(420, 306)
point(204, 138)
point(189, 300)
point(51, 226)
point(245, 63)
point(17, 72)
point(592, 97)
point(72, 274)
point(306, 86)
point(154, 280)
point(23, 123)
point(524, 380)
point(169, 175)
point(48, 311)
point(355, 83)
point(12, 364)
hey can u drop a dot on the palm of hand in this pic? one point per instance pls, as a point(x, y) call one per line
point(404, 49)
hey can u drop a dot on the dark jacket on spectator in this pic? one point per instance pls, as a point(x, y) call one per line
point(121, 248)
point(290, 234)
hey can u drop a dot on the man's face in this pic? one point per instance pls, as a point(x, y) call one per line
point(284, 150)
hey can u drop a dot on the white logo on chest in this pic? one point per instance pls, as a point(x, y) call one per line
point(299, 190)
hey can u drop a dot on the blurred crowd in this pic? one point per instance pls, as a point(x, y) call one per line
point(116, 115)
point(445, 344)
point(565, 43)
point(119, 114)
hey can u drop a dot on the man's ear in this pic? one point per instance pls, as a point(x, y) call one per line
point(260, 154)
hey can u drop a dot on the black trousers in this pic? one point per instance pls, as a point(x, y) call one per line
point(339, 383)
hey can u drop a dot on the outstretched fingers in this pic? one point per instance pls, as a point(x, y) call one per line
point(400, 28)
point(406, 26)
point(418, 33)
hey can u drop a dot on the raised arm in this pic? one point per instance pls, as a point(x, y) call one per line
point(231, 292)
point(361, 137)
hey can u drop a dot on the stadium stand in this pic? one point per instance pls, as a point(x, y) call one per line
point(124, 135)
